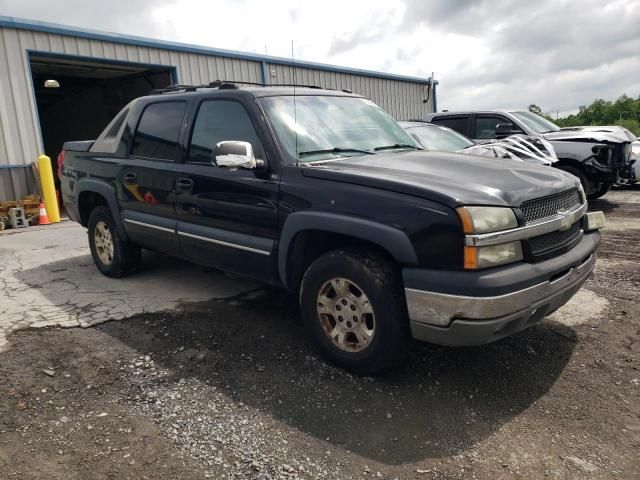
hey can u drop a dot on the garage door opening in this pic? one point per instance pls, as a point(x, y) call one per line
point(76, 99)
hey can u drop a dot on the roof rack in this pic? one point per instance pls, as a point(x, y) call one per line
point(299, 85)
point(225, 85)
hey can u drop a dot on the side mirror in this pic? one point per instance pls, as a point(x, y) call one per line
point(504, 130)
point(237, 154)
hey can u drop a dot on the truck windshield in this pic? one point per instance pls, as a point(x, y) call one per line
point(433, 137)
point(535, 122)
point(333, 127)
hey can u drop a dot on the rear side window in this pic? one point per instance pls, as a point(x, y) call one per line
point(459, 123)
point(486, 126)
point(158, 131)
point(218, 121)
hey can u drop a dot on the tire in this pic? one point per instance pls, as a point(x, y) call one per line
point(113, 256)
point(576, 172)
point(375, 335)
point(602, 189)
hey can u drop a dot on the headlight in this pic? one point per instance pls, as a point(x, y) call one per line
point(492, 255)
point(479, 220)
point(486, 219)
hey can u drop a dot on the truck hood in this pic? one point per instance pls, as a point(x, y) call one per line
point(449, 178)
point(589, 134)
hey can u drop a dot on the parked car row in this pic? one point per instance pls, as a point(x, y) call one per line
point(598, 156)
point(322, 193)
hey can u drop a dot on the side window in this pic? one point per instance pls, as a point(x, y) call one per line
point(158, 131)
point(486, 126)
point(458, 123)
point(217, 121)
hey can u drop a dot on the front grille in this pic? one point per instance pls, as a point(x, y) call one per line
point(554, 240)
point(545, 207)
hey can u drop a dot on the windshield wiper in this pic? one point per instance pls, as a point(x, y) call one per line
point(397, 145)
point(336, 150)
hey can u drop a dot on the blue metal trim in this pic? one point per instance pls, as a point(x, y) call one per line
point(23, 24)
point(9, 167)
point(265, 73)
point(435, 98)
point(35, 103)
point(173, 71)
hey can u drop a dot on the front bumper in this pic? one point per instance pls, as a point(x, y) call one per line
point(473, 308)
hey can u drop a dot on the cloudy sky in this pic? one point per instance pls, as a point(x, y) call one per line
point(485, 53)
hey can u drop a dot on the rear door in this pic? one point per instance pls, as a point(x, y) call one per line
point(459, 123)
point(148, 176)
point(226, 217)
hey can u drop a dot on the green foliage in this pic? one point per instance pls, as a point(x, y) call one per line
point(624, 111)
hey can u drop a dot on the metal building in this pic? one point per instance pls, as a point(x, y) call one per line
point(60, 83)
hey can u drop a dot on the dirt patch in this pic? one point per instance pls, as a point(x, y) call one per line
point(586, 306)
point(232, 389)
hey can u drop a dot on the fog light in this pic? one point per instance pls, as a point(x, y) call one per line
point(595, 221)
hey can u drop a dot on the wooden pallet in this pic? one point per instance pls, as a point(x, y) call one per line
point(30, 204)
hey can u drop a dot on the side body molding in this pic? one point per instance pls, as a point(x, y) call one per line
point(108, 192)
point(394, 241)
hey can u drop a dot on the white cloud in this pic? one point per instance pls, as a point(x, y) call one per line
point(487, 54)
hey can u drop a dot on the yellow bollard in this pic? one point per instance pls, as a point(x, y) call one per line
point(48, 188)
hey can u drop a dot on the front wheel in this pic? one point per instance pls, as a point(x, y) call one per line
point(113, 256)
point(600, 191)
point(353, 306)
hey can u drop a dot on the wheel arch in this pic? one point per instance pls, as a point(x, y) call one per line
point(307, 235)
point(91, 192)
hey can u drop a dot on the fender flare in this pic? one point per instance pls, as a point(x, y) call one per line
point(108, 192)
point(393, 240)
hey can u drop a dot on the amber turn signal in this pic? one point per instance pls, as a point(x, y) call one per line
point(470, 258)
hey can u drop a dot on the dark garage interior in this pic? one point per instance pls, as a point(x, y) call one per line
point(89, 95)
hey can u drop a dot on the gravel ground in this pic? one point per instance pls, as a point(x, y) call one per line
point(232, 389)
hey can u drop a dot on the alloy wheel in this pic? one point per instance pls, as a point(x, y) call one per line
point(346, 315)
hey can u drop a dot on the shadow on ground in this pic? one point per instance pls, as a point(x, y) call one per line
point(442, 401)
point(73, 288)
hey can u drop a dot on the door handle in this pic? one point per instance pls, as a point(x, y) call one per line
point(184, 184)
point(130, 178)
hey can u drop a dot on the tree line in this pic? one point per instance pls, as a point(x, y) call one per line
point(624, 111)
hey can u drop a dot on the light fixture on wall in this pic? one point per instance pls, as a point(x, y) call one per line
point(51, 84)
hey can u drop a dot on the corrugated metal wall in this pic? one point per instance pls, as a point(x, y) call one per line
point(20, 141)
point(403, 100)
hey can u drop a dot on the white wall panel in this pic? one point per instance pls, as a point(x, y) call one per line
point(20, 140)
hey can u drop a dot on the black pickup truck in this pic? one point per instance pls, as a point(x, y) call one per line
point(323, 193)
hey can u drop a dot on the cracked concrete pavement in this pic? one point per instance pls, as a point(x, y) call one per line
point(47, 278)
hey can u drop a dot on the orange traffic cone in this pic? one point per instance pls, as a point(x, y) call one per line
point(44, 218)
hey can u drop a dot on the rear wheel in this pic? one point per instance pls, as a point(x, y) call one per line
point(113, 256)
point(353, 307)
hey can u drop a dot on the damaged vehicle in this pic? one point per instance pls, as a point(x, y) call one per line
point(530, 149)
point(597, 158)
point(631, 174)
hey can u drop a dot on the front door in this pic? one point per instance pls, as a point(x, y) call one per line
point(226, 217)
point(485, 127)
point(148, 177)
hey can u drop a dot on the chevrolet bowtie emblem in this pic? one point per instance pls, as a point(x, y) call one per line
point(566, 221)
